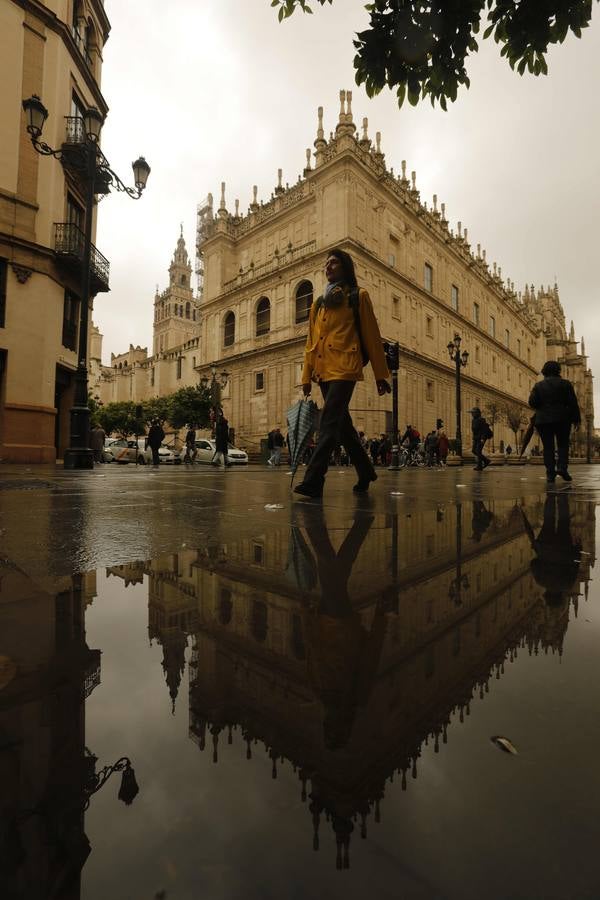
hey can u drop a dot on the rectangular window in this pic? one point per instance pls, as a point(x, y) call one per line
point(70, 320)
point(178, 367)
point(428, 278)
point(396, 308)
point(477, 353)
point(518, 347)
point(392, 260)
point(429, 326)
point(3, 280)
point(493, 363)
point(429, 391)
point(258, 554)
point(507, 337)
point(259, 381)
point(492, 328)
point(476, 313)
point(152, 377)
point(454, 297)
point(74, 213)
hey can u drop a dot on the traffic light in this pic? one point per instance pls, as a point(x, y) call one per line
point(392, 355)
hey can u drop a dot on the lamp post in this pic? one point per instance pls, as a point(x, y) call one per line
point(392, 358)
point(460, 360)
point(86, 160)
point(216, 383)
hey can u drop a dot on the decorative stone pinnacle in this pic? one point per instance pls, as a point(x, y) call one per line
point(254, 204)
point(307, 159)
point(237, 209)
point(459, 230)
point(365, 126)
point(349, 107)
point(443, 209)
point(342, 107)
point(279, 188)
point(478, 251)
point(378, 142)
point(413, 177)
point(403, 167)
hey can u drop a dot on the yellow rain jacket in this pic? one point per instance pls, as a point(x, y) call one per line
point(332, 351)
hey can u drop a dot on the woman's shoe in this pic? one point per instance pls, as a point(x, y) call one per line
point(564, 475)
point(308, 490)
point(362, 485)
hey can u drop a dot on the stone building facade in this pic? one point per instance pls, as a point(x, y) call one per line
point(53, 50)
point(261, 271)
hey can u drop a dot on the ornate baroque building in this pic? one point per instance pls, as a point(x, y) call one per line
point(261, 271)
point(53, 50)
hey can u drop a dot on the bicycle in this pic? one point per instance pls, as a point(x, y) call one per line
point(408, 457)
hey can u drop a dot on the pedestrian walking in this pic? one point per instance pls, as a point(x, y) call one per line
point(221, 441)
point(155, 438)
point(190, 446)
point(556, 410)
point(385, 449)
point(481, 433)
point(443, 447)
point(374, 450)
point(343, 335)
point(97, 438)
point(431, 443)
point(275, 443)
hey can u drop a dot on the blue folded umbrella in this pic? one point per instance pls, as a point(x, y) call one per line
point(302, 420)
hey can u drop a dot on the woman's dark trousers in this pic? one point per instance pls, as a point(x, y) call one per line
point(548, 433)
point(336, 428)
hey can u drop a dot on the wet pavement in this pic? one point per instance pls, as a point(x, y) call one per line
point(317, 699)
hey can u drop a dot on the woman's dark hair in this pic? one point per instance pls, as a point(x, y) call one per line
point(551, 368)
point(347, 266)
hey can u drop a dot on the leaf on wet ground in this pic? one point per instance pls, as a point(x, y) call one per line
point(274, 506)
point(504, 744)
point(396, 493)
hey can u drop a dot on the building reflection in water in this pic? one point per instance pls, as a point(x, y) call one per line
point(47, 774)
point(345, 662)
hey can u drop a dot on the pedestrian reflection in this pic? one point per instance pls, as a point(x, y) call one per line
point(555, 565)
point(342, 654)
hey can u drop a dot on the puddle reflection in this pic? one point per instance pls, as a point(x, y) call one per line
point(341, 649)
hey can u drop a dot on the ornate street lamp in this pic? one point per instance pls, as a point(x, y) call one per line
point(87, 160)
point(461, 581)
point(216, 383)
point(460, 360)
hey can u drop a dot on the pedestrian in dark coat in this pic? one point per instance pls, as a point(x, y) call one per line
point(221, 441)
point(481, 432)
point(155, 438)
point(556, 409)
point(443, 447)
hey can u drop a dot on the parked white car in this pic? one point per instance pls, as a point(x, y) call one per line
point(206, 449)
point(125, 451)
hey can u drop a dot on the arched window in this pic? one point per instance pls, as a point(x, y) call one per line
point(187, 310)
point(183, 279)
point(229, 330)
point(263, 316)
point(304, 299)
point(181, 310)
point(258, 622)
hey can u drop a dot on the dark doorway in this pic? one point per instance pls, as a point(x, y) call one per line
point(63, 401)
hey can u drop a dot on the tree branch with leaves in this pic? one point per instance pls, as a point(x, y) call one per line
point(419, 48)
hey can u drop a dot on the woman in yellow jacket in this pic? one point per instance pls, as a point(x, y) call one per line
point(333, 357)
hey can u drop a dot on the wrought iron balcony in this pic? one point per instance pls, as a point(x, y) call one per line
point(69, 243)
point(74, 130)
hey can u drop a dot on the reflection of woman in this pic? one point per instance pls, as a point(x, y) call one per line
point(342, 654)
point(556, 562)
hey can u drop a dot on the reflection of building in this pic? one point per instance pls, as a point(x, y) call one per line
point(55, 51)
point(44, 765)
point(261, 271)
point(266, 658)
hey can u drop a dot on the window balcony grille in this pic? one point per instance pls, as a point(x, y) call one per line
point(69, 243)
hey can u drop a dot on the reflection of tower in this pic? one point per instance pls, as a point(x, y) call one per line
point(172, 613)
point(45, 770)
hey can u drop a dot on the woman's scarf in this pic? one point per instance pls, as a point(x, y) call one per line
point(334, 294)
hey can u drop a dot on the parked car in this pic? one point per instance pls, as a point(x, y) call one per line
point(125, 451)
point(206, 450)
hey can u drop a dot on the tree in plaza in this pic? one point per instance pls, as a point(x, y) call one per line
point(419, 47)
point(515, 416)
point(493, 412)
point(94, 405)
point(121, 418)
point(189, 405)
point(157, 408)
